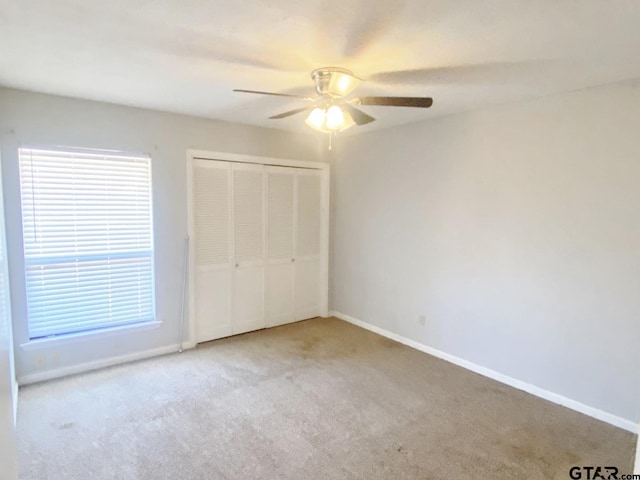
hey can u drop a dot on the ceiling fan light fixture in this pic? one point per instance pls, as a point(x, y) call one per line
point(330, 119)
point(342, 84)
point(334, 118)
point(316, 119)
point(334, 81)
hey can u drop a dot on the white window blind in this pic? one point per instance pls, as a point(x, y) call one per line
point(88, 240)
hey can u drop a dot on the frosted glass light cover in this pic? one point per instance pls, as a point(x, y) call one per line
point(335, 118)
point(342, 84)
point(316, 118)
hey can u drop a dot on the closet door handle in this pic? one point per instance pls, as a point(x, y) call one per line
point(293, 259)
point(237, 265)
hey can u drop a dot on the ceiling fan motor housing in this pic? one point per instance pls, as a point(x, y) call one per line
point(323, 77)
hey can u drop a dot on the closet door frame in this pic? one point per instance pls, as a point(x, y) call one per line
point(240, 158)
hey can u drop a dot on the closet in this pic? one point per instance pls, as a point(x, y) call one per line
point(258, 244)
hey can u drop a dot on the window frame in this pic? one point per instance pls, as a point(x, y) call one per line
point(107, 330)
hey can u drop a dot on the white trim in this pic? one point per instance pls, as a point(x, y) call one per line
point(15, 403)
point(636, 470)
point(81, 150)
point(191, 319)
point(512, 382)
point(242, 158)
point(88, 366)
point(43, 343)
point(324, 239)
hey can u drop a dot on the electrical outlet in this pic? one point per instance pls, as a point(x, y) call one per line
point(422, 320)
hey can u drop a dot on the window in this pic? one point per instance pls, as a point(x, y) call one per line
point(88, 240)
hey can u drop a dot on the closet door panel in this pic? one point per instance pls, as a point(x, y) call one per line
point(212, 248)
point(308, 244)
point(213, 307)
point(307, 289)
point(280, 245)
point(280, 294)
point(249, 299)
point(257, 250)
point(249, 251)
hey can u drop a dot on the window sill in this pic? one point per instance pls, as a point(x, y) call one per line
point(84, 336)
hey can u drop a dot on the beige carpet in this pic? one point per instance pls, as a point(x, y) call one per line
point(319, 399)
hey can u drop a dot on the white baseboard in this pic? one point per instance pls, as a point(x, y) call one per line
point(513, 382)
point(107, 362)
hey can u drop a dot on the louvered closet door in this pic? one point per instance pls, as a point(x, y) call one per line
point(249, 252)
point(308, 244)
point(280, 245)
point(212, 248)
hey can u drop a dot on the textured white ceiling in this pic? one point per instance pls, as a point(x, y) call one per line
point(186, 55)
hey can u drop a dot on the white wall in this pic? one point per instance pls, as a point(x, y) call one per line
point(515, 231)
point(41, 120)
point(8, 387)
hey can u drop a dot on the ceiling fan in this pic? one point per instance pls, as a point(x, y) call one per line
point(330, 110)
